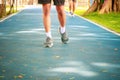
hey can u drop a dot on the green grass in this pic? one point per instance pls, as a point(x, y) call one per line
point(78, 11)
point(110, 21)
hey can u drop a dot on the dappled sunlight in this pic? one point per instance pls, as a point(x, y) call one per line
point(74, 38)
point(32, 30)
point(27, 32)
point(74, 67)
point(40, 29)
point(77, 26)
point(88, 73)
point(83, 69)
point(91, 54)
point(109, 65)
point(88, 34)
point(1, 34)
point(64, 69)
point(73, 63)
point(75, 70)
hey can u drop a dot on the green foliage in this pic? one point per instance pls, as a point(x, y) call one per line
point(102, 1)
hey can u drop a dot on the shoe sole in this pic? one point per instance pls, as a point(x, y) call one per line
point(64, 41)
point(48, 45)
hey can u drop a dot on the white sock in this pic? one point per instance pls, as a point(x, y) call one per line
point(62, 29)
point(48, 34)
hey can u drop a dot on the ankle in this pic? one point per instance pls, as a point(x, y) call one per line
point(62, 30)
point(48, 34)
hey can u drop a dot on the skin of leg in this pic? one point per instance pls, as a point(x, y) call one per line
point(61, 15)
point(74, 6)
point(46, 16)
point(71, 6)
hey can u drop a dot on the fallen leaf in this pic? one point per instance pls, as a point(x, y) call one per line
point(57, 57)
point(104, 70)
point(2, 77)
point(3, 70)
point(116, 49)
point(20, 76)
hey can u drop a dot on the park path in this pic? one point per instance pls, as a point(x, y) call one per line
point(92, 53)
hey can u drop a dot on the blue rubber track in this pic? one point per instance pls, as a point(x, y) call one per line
point(92, 53)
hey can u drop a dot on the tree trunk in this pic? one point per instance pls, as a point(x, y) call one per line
point(11, 7)
point(30, 2)
point(104, 6)
point(3, 8)
point(16, 4)
point(116, 5)
point(94, 7)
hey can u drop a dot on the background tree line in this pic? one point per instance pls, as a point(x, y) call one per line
point(9, 6)
point(101, 6)
point(104, 6)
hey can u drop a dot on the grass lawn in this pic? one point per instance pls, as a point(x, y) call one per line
point(110, 21)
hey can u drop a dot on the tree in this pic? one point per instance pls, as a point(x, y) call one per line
point(30, 2)
point(11, 6)
point(2, 8)
point(104, 6)
point(116, 5)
